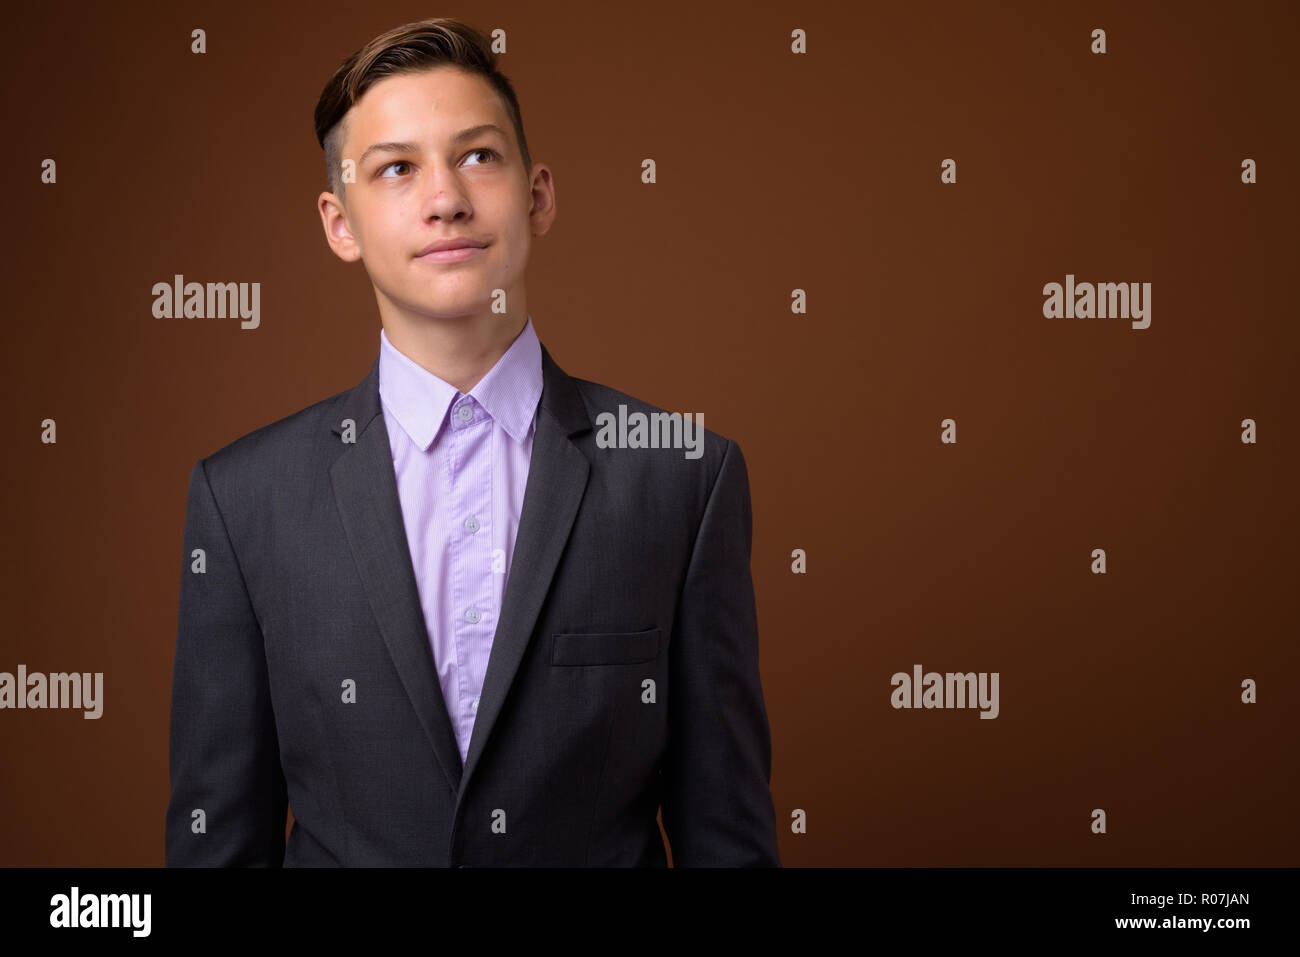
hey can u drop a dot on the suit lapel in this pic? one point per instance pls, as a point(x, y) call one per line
point(365, 490)
point(557, 479)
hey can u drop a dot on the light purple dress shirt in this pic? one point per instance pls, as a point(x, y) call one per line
point(461, 463)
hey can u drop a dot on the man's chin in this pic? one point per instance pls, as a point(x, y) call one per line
point(443, 311)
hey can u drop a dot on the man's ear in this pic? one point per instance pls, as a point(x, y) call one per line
point(541, 214)
point(338, 231)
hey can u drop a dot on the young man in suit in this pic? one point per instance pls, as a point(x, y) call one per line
point(435, 614)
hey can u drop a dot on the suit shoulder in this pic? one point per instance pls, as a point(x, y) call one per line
point(287, 439)
point(603, 407)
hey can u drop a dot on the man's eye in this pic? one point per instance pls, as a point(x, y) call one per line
point(484, 149)
point(382, 169)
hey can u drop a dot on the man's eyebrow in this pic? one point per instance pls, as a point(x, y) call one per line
point(399, 147)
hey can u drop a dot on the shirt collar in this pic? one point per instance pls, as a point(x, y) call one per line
point(419, 400)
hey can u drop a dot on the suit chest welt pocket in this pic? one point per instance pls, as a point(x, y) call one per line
point(605, 648)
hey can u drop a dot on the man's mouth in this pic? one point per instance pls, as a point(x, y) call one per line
point(451, 250)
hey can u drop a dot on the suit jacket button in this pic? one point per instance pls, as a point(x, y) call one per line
point(462, 865)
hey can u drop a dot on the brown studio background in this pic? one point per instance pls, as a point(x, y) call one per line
point(776, 172)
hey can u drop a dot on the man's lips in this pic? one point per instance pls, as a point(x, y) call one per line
point(453, 255)
point(451, 250)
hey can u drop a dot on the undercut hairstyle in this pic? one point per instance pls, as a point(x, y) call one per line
point(410, 48)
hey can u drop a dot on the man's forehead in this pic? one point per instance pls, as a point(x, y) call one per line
point(443, 90)
point(448, 98)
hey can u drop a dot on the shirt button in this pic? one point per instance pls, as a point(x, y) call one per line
point(474, 705)
point(471, 524)
point(465, 413)
point(472, 615)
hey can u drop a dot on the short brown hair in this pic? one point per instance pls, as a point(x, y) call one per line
point(410, 48)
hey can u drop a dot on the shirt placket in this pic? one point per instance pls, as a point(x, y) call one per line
point(474, 610)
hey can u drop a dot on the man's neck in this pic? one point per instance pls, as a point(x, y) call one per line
point(458, 351)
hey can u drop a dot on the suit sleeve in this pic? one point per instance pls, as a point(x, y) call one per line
point(717, 804)
point(225, 760)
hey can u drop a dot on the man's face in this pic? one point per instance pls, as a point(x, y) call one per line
point(425, 173)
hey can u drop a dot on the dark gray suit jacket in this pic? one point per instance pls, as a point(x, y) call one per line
point(623, 674)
